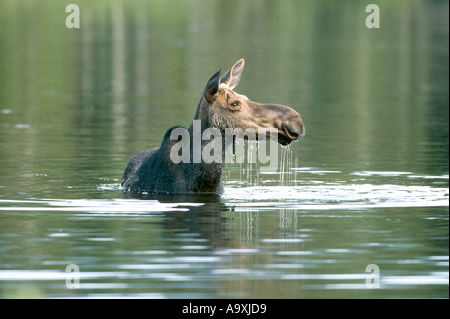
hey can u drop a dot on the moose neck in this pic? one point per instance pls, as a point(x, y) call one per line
point(202, 114)
point(207, 177)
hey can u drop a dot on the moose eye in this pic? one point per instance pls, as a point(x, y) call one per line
point(235, 104)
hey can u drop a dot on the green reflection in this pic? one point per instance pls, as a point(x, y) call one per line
point(75, 104)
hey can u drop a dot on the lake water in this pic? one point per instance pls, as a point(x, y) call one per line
point(366, 190)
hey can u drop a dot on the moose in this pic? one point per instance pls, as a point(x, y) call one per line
point(220, 108)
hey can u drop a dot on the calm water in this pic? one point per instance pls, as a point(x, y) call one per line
point(367, 185)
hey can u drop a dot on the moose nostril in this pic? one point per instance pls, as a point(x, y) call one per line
point(295, 131)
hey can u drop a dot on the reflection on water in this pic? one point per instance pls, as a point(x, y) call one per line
point(312, 195)
point(368, 184)
point(271, 238)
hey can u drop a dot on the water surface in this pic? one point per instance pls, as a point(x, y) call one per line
point(367, 185)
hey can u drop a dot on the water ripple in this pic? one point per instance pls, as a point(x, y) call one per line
point(341, 196)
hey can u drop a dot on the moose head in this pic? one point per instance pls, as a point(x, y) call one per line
point(229, 109)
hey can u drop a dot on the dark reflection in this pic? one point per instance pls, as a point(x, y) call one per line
point(204, 218)
point(174, 198)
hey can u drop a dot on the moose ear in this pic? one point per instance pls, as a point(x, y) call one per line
point(212, 87)
point(232, 76)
